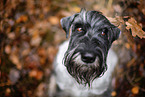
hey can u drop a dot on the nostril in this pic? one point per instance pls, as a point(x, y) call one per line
point(88, 57)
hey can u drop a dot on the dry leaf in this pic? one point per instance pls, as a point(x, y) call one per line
point(33, 73)
point(113, 93)
point(76, 9)
point(39, 75)
point(51, 52)
point(127, 45)
point(36, 74)
point(42, 52)
point(135, 90)
point(8, 90)
point(8, 49)
point(35, 41)
point(135, 28)
point(40, 90)
point(117, 21)
point(14, 58)
point(11, 35)
point(22, 18)
point(25, 52)
point(14, 75)
point(53, 20)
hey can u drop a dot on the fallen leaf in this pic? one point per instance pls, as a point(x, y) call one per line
point(8, 49)
point(39, 75)
point(36, 74)
point(42, 52)
point(117, 8)
point(11, 22)
point(33, 73)
point(51, 52)
point(14, 75)
point(35, 41)
point(127, 45)
point(40, 90)
point(25, 52)
point(135, 90)
point(113, 93)
point(117, 21)
point(42, 60)
point(53, 20)
point(8, 91)
point(22, 18)
point(76, 9)
point(14, 58)
point(135, 28)
point(11, 35)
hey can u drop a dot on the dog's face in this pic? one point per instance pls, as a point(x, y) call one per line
point(91, 37)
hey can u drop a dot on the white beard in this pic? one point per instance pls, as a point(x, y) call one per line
point(68, 84)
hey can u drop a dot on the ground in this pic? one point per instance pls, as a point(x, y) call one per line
point(30, 34)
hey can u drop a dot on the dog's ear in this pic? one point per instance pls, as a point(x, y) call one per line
point(116, 33)
point(66, 23)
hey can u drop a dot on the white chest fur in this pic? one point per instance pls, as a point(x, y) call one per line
point(67, 83)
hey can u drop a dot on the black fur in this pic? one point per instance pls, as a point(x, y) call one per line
point(89, 39)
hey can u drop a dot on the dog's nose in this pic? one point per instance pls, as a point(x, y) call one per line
point(88, 57)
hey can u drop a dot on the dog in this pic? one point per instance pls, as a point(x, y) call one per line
point(84, 71)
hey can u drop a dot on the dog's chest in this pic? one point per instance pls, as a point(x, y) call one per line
point(67, 83)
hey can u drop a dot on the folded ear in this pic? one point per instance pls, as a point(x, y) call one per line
point(116, 33)
point(66, 23)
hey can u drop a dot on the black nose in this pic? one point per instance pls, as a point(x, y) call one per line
point(88, 57)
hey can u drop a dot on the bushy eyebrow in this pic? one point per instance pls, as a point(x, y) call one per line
point(78, 24)
point(81, 24)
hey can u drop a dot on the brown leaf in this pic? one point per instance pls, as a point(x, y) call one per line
point(33, 73)
point(42, 52)
point(53, 20)
point(22, 18)
point(76, 9)
point(117, 21)
point(11, 35)
point(42, 60)
point(127, 45)
point(25, 52)
point(14, 58)
point(135, 90)
point(8, 91)
point(14, 75)
point(8, 49)
point(113, 93)
point(40, 90)
point(135, 28)
point(36, 74)
point(35, 40)
point(39, 75)
point(51, 52)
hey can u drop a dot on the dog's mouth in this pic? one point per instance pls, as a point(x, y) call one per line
point(84, 71)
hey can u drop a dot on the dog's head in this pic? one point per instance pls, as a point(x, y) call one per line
point(91, 36)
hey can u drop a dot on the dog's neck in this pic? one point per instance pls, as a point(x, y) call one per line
point(67, 83)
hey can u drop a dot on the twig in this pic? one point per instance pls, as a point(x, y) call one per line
point(130, 80)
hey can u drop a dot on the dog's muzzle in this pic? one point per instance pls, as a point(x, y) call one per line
point(84, 64)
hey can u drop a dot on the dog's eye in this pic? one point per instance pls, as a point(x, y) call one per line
point(79, 29)
point(103, 33)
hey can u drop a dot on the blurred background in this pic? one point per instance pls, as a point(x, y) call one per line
point(30, 34)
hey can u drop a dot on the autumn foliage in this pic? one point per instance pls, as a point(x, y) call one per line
point(30, 35)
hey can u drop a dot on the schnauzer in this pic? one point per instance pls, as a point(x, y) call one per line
point(91, 36)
